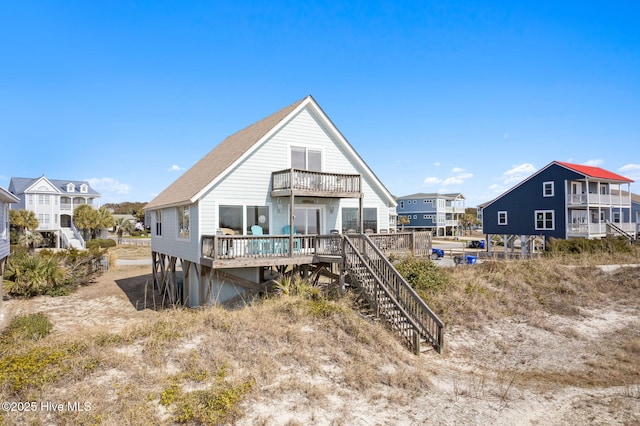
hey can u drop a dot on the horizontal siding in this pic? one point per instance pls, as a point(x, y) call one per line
point(169, 243)
point(249, 184)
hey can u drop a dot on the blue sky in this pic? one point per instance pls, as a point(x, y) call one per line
point(436, 96)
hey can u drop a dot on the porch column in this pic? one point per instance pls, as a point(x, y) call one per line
point(361, 213)
point(291, 223)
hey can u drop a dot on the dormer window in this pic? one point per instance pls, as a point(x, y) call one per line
point(84, 188)
point(71, 187)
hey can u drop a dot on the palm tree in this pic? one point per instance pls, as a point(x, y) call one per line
point(403, 220)
point(24, 220)
point(86, 218)
point(105, 219)
point(31, 239)
point(123, 225)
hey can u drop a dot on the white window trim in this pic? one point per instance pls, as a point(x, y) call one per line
point(544, 212)
point(505, 217)
point(544, 189)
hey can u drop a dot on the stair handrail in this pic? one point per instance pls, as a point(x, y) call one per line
point(77, 235)
point(619, 230)
point(375, 303)
point(393, 283)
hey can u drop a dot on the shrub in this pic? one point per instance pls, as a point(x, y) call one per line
point(50, 273)
point(422, 274)
point(28, 276)
point(100, 243)
point(584, 245)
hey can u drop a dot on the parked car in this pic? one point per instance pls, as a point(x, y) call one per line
point(436, 253)
point(468, 259)
point(476, 244)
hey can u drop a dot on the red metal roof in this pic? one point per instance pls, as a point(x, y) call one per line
point(594, 172)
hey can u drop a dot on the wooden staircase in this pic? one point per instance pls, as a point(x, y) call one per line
point(388, 294)
point(616, 230)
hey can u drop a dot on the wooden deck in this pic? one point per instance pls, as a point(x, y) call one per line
point(237, 251)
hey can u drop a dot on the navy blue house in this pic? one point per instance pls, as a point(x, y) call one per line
point(563, 200)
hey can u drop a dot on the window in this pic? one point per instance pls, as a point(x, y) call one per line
point(71, 187)
point(55, 219)
point(230, 217)
point(544, 220)
point(158, 222)
point(502, 218)
point(84, 188)
point(350, 218)
point(370, 218)
point(183, 222)
point(547, 189)
point(258, 215)
point(306, 159)
point(30, 198)
point(616, 217)
point(415, 216)
point(402, 204)
point(44, 199)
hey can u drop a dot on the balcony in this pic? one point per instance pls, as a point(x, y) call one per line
point(592, 199)
point(315, 184)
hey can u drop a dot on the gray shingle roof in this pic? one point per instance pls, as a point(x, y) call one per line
point(18, 185)
point(191, 182)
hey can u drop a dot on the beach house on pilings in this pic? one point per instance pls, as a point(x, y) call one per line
point(289, 191)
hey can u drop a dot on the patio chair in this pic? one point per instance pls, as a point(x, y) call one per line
point(286, 230)
point(258, 246)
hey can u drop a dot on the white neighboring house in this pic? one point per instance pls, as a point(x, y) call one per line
point(6, 198)
point(293, 167)
point(53, 202)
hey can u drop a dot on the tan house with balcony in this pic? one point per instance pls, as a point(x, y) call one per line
point(53, 201)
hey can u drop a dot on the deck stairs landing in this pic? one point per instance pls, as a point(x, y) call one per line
point(390, 297)
point(69, 239)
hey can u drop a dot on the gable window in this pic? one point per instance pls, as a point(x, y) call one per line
point(158, 222)
point(306, 159)
point(544, 220)
point(183, 222)
point(547, 189)
point(502, 218)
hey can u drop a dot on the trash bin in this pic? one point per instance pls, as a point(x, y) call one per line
point(481, 244)
point(470, 260)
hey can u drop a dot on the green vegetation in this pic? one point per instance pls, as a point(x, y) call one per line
point(50, 273)
point(90, 220)
point(580, 246)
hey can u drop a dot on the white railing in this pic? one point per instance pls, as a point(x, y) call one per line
point(599, 199)
point(586, 229)
point(77, 235)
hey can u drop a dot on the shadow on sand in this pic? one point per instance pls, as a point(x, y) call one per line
point(141, 292)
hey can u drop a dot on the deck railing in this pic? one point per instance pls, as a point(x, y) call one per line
point(309, 181)
point(225, 247)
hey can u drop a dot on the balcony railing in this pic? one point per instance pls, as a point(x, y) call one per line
point(599, 199)
point(587, 229)
point(319, 184)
